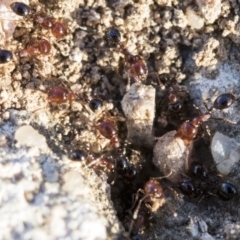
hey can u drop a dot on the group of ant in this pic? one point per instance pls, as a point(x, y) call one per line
point(196, 183)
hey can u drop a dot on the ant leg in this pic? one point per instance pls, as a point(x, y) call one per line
point(115, 172)
point(128, 83)
point(135, 213)
point(166, 176)
point(225, 120)
point(161, 85)
point(135, 199)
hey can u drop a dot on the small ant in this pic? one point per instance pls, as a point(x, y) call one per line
point(189, 129)
point(154, 198)
point(42, 47)
point(136, 65)
point(58, 29)
point(174, 104)
point(200, 183)
point(58, 95)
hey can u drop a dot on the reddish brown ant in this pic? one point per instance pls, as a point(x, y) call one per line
point(42, 47)
point(189, 129)
point(154, 198)
point(136, 65)
point(58, 29)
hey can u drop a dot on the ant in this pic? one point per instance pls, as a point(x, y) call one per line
point(200, 183)
point(117, 164)
point(58, 29)
point(154, 198)
point(189, 129)
point(136, 65)
point(42, 47)
point(173, 106)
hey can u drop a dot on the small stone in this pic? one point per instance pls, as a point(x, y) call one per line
point(225, 153)
point(139, 108)
point(27, 135)
point(170, 154)
point(193, 19)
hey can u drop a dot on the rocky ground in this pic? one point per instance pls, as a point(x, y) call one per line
point(191, 46)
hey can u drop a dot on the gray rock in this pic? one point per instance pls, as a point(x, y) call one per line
point(171, 155)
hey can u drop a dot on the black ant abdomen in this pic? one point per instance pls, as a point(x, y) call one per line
point(95, 104)
point(188, 188)
point(77, 155)
point(223, 101)
point(20, 9)
point(5, 56)
point(227, 191)
point(197, 170)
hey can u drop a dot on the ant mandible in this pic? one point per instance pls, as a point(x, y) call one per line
point(189, 129)
point(58, 29)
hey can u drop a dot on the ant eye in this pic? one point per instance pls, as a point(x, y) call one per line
point(5, 56)
point(20, 8)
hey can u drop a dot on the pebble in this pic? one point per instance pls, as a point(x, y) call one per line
point(225, 153)
point(194, 20)
point(171, 154)
point(27, 135)
point(139, 108)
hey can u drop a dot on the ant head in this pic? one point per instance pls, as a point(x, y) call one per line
point(152, 188)
point(113, 35)
point(197, 170)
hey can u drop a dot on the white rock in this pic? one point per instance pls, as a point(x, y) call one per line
point(194, 20)
point(139, 108)
point(225, 153)
point(27, 135)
